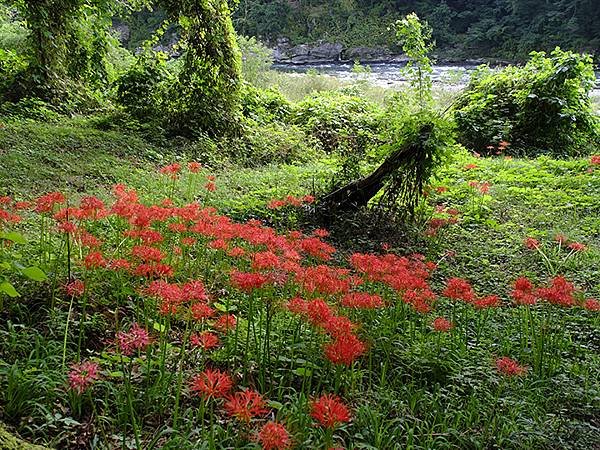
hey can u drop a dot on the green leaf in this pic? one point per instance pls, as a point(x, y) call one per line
point(34, 273)
point(15, 237)
point(9, 289)
point(158, 327)
point(303, 372)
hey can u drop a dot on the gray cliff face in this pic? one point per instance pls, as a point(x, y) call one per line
point(326, 52)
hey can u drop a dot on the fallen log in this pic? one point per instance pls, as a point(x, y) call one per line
point(358, 193)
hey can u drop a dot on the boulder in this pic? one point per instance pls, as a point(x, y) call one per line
point(367, 54)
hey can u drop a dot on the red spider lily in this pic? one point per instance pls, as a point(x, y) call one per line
point(248, 281)
point(484, 187)
point(210, 186)
point(225, 323)
point(8, 217)
point(274, 436)
point(156, 270)
point(421, 300)
point(459, 289)
point(471, 166)
point(298, 306)
point(245, 405)
point(321, 233)
point(211, 384)
point(147, 236)
point(119, 264)
point(345, 349)
point(509, 367)
point(201, 311)
point(265, 260)
point(531, 243)
point(22, 205)
point(560, 292)
point(491, 301)
point(88, 240)
point(441, 189)
point(308, 199)
point(595, 160)
point(338, 326)
point(442, 324)
point(592, 305)
point(362, 300)
point(329, 411)
point(147, 254)
point(205, 340)
point(171, 170)
point(94, 260)
point(577, 246)
point(178, 227)
point(317, 248)
point(189, 241)
point(46, 203)
point(194, 290)
point(324, 279)
point(75, 288)
point(218, 244)
point(523, 293)
point(194, 167)
point(236, 252)
point(318, 311)
point(276, 204)
point(136, 338)
point(82, 376)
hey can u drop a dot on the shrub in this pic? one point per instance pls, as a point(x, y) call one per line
point(543, 107)
point(264, 105)
point(338, 119)
point(140, 89)
point(256, 60)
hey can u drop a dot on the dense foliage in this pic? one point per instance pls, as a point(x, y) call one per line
point(543, 107)
point(503, 28)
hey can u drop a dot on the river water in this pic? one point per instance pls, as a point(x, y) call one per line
point(451, 77)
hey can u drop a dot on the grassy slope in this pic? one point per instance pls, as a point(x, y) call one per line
point(538, 198)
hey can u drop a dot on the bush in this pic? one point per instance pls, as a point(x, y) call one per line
point(338, 120)
point(140, 89)
point(543, 107)
point(264, 105)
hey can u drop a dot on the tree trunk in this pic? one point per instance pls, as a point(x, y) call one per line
point(357, 194)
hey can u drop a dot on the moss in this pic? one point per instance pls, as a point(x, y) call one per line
point(9, 441)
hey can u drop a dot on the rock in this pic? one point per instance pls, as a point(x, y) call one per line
point(367, 54)
point(123, 32)
point(324, 52)
point(9, 441)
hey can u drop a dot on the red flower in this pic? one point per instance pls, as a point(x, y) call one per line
point(274, 436)
point(75, 288)
point(592, 305)
point(344, 349)
point(531, 243)
point(329, 411)
point(246, 405)
point(509, 367)
point(321, 232)
point(194, 167)
point(201, 311)
point(172, 170)
point(577, 246)
point(560, 292)
point(441, 324)
point(94, 260)
point(211, 384)
point(210, 186)
point(561, 238)
point(147, 254)
point(471, 166)
point(225, 323)
point(46, 203)
point(136, 339)
point(595, 160)
point(362, 300)
point(83, 375)
point(205, 340)
point(247, 281)
point(491, 301)
point(459, 289)
point(523, 292)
